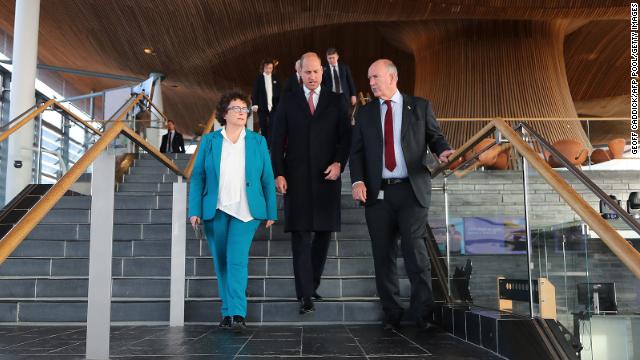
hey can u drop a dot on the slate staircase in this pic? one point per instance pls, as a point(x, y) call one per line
point(46, 279)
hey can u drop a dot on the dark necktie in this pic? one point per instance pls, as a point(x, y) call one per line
point(389, 152)
point(336, 80)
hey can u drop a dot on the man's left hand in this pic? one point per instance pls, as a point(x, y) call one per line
point(333, 171)
point(353, 101)
point(444, 156)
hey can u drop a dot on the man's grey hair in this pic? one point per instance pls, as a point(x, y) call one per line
point(391, 67)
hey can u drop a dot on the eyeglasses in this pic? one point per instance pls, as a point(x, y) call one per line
point(238, 109)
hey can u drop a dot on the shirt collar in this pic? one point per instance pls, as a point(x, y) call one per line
point(224, 134)
point(394, 99)
point(307, 91)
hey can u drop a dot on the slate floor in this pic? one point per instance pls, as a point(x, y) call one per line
point(354, 342)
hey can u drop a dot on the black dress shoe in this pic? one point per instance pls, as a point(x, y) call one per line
point(306, 306)
point(225, 324)
point(317, 296)
point(238, 323)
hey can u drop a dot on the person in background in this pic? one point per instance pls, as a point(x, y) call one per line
point(266, 94)
point(232, 190)
point(295, 80)
point(337, 77)
point(172, 141)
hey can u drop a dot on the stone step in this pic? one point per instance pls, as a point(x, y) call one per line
point(258, 288)
point(146, 187)
point(195, 266)
point(170, 156)
point(151, 178)
point(181, 163)
point(196, 311)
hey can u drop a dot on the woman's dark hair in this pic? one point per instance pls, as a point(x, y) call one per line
point(225, 100)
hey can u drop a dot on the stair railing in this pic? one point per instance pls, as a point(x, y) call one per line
point(627, 254)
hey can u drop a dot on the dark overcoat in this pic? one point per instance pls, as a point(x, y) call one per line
point(303, 146)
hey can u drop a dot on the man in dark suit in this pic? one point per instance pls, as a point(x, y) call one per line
point(389, 175)
point(172, 141)
point(294, 81)
point(266, 94)
point(337, 77)
point(313, 123)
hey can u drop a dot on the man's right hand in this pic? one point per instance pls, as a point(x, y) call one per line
point(281, 184)
point(359, 192)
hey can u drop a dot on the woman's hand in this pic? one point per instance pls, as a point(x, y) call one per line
point(194, 221)
point(269, 223)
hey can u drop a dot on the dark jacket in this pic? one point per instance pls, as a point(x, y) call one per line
point(313, 142)
point(346, 80)
point(259, 96)
point(291, 84)
point(419, 131)
point(177, 145)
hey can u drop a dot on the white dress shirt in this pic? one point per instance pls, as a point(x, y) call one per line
point(316, 93)
point(232, 192)
point(400, 171)
point(268, 85)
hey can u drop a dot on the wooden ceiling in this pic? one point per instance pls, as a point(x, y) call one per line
point(205, 47)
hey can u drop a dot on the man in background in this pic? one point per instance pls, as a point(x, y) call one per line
point(172, 141)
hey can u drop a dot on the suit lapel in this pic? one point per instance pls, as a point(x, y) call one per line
point(216, 150)
point(407, 115)
point(302, 100)
point(378, 120)
point(323, 101)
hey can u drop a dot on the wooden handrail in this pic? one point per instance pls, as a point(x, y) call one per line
point(31, 116)
point(206, 130)
point(22, 229)
point(473, 141)
point(614, 241)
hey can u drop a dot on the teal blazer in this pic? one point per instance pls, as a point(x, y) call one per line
point(205, 178)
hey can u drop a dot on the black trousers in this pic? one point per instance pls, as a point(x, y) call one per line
point(309, 257)
point(264, 118)
point(400, 214)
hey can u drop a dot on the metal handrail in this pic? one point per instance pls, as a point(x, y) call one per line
point(623, 250)
point(583, 178)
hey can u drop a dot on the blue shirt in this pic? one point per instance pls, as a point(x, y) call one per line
point(400, 171)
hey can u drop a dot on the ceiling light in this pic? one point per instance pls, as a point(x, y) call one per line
point(149, 51)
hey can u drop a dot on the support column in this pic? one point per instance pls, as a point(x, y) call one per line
point(492, 68)
point(100, 257)
point(22, 96)
point(154, 134)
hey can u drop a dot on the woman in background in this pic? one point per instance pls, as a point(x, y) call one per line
point(232, 190)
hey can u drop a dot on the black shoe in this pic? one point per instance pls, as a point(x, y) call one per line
point(306, 306)
point(238, 323)
point(392, 320)
point(225, 324)
point(317, 296)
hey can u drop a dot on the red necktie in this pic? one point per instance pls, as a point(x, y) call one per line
point(312, 107)
point(389, 152)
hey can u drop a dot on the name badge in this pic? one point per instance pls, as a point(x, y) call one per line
point(381, 195)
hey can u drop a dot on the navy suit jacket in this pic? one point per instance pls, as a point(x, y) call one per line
point(346, 80)
point(205, 179)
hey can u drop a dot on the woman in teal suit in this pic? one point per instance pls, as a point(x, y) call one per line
point(232, 190)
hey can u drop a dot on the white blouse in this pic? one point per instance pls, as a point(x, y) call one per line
point(232, 192)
